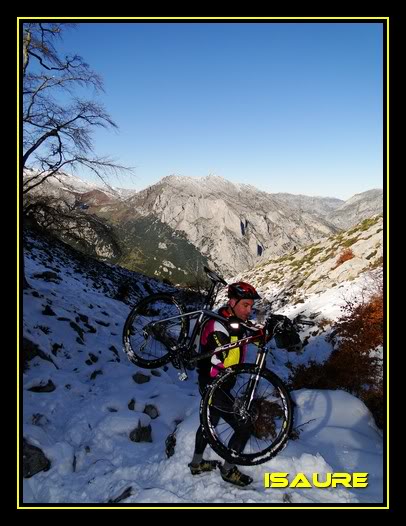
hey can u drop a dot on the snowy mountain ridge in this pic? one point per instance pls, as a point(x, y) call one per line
point(64, 183)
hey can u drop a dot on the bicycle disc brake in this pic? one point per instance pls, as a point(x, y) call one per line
point(241, 413)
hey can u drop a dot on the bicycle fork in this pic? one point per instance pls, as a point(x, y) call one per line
point(253, 381)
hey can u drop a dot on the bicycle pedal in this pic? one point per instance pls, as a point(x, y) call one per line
point(182, 376)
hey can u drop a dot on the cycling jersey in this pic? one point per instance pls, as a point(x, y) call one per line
point(215, 334)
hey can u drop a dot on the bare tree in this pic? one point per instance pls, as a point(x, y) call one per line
point(57, 123)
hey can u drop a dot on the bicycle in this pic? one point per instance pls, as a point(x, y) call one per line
point(250, 396)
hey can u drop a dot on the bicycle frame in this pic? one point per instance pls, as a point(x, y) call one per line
point(185, 352)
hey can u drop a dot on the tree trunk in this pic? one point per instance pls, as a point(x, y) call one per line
point(26, 285)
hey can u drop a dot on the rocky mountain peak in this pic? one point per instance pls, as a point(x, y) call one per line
point(233, 225)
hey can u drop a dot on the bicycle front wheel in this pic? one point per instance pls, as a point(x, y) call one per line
point(246, 415)
point(153, 329)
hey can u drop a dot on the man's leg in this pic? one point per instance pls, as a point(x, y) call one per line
point(224, 409)
point(198, 464)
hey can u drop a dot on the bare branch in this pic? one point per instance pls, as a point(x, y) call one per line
point(55, 134)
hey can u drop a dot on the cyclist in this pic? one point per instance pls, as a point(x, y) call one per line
point(214, 334)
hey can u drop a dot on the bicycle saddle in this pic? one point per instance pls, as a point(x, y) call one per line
point(214, 276)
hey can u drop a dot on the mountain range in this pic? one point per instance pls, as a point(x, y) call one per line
point(176, 226)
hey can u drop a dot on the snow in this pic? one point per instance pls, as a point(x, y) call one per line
point(83, 426)
point(72, 183)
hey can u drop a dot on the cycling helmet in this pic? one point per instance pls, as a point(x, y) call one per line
point(242, 291)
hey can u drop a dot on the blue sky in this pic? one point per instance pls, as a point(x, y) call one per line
point(285, 107)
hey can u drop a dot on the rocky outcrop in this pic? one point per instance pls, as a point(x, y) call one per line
point(233, 225)
point(320, 266)
point(34, 460)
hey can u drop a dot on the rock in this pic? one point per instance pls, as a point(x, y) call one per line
point(56, 347)
point(48, 276)
point(48, 311)
point(114, 350)
point(95, 373)
point(170, 444)
point(151, 411)
point(78, 329)
point(140, 378)
point(41, 388)
point(141, 433)
point(34, 460)
point(83, 318)
point(103, 323)
point(287, 498)
point(124, 495)
point(30, 351)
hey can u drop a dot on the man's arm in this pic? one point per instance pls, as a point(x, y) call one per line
point(217, 339)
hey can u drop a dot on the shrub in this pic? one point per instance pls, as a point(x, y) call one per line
point(348, 242)
point(354, 365)
point(323, 323)
point(345, 255)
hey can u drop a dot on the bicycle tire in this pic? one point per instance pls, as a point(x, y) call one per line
point(150, 346)
point(269, 423)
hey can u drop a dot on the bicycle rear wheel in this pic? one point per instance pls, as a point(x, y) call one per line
point(240, 436)
point(148, 341)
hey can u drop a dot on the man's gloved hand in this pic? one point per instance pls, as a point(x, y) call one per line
point(253, 324)
point(271, 323)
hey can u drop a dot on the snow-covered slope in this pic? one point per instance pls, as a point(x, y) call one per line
point(81, 403)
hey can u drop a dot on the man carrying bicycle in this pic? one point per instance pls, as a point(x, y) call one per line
point(215, 334)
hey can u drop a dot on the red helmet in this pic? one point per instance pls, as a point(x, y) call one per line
point(242, 291)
